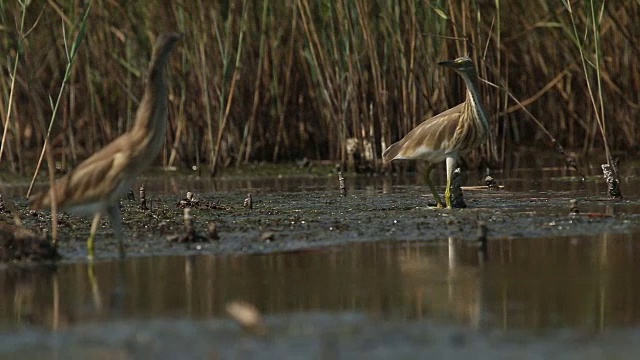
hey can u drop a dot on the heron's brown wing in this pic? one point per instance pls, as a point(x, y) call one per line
point(93, 179)
point(101, 179)
point(434, 133)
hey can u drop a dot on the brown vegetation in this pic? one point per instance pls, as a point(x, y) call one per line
point(281, 80)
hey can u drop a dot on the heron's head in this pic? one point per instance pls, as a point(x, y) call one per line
point(166, 42)
point(463, 65)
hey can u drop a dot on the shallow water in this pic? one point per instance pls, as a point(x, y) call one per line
point(575, 282)
point(527, 290)
point(375, 274)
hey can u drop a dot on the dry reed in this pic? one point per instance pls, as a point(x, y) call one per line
point(281, 80)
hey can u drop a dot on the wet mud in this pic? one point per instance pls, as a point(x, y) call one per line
point(311, 213)
point(18, 243)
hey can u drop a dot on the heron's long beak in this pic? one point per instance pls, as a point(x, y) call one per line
point(448, 63)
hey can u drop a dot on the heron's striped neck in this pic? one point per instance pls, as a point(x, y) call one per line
point(150, 125)
point(150, 116)
point(473, 99)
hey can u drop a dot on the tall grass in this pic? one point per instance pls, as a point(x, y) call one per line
point(21, 33)
point(592, 68)
point(281, 80)
point(72, 44)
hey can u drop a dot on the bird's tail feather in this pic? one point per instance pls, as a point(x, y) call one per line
point(391, 152)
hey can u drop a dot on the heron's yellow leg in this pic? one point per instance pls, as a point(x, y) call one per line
point(116, 220)
point(447, 194)
point(431, 187)
point(92, 235)
point(95, 290)
point(451, 165)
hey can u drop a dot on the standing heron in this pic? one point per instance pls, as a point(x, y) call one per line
point(448, 135)
point(97, 184)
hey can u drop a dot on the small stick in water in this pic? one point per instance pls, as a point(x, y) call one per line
point(482, 239)
point(343, 188)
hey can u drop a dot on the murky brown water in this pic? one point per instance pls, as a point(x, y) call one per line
point(583, 285)
point(583, 282)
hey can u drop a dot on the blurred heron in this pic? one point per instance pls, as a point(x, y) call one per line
point(97, 184)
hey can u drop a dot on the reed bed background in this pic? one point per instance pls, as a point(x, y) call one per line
point(267, 80)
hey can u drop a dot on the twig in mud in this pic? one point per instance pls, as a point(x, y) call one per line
point(247, 316)
point(190, 235)
point(248, 202)
point(610, 176)
point(131, 196)
point(458, 179)
point(3, 208)
point(343, 187)
point(490, 181)
point(212, 231)
point(189, 201)
point(143, 199)
point(573, 209)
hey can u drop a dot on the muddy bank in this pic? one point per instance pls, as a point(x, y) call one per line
point(313, 214)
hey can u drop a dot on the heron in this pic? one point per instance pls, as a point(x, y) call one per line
point(448, 135)
point(97, 184)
